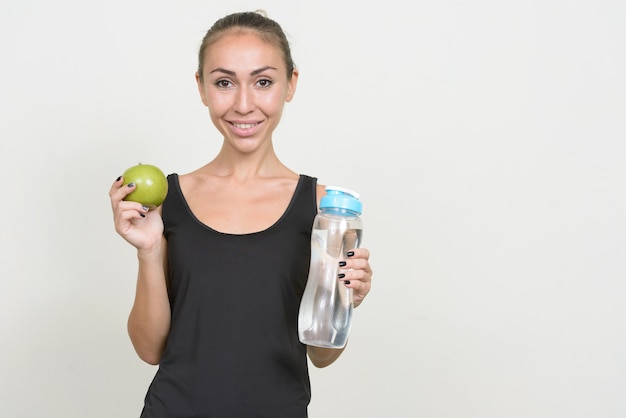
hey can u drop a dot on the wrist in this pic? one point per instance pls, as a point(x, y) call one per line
point(149, 254)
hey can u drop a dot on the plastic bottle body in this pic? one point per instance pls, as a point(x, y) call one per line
point(326, 308)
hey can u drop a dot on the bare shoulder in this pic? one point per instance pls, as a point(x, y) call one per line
point(192, 177)
point(197, 181)
point(184, 179)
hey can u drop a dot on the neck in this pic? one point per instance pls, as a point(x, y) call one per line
point(261, 163)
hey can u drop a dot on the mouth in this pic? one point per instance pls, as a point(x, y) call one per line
point(244, 125)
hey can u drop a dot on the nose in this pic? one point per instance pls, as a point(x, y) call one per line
point(244, 100)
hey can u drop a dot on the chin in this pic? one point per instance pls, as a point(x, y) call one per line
point(246, 145)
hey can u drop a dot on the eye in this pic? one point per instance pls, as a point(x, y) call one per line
point(223, 84)
point(264, 83)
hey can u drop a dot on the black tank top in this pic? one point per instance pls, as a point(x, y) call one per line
point(233, 348)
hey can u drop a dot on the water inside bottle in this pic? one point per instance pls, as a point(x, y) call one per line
point(326, 309)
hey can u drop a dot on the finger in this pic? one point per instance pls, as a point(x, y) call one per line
point(119, 191)
point(359, 253)
point(356, 264)
point(116, 185)
point(125, 220)
point(360, 288)
point(124, 210)
point(126, 216)
point(355, 275)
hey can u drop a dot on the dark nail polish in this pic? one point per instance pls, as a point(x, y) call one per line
point(119, 178)
point(350, 253)
point(145, 208)
point(342, 264)
point(346, 282)
point(142, 215)
point(341, 275)
point(131, 184)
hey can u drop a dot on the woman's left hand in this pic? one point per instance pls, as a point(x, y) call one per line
point(357, 273)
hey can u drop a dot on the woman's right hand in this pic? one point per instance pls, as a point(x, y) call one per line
point(141, 227)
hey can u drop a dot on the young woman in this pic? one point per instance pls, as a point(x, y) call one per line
point(224, 261)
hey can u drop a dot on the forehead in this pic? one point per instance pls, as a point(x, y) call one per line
point(243, 50)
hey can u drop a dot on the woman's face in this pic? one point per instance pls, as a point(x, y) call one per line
point(245, 87)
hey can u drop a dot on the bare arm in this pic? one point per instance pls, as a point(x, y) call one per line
point(322, 357)
point(150, 316)
point(149, 319)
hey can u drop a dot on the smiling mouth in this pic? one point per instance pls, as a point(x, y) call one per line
point(244, 125)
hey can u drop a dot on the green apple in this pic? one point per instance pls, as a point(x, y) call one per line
point(150, 182)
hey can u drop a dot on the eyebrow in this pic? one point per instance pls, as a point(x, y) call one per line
point(233, 74)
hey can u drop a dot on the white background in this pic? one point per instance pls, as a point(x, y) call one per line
point(487, 139)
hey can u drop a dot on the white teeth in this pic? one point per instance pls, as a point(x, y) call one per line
point(244, 125)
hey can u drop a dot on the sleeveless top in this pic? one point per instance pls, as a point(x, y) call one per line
point(233, 348)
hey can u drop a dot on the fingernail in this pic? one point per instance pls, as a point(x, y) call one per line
point(131, 184)
point(346, 282)
point(119, 178)
point(350, 253)
point(341, 275)
point(142, 215)
point(146, 208)
point(342, 264)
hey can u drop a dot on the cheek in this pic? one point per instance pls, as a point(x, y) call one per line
point(272, 103)
point(217, 108)
point(218, 102)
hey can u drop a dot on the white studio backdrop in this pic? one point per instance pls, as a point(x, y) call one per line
point(487, 139)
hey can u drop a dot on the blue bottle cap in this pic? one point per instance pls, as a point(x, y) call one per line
point(341, 198)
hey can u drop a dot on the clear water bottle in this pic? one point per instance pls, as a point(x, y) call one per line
point(325, 314)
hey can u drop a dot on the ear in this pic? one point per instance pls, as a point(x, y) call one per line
point(201, 89)
point(291, 87)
